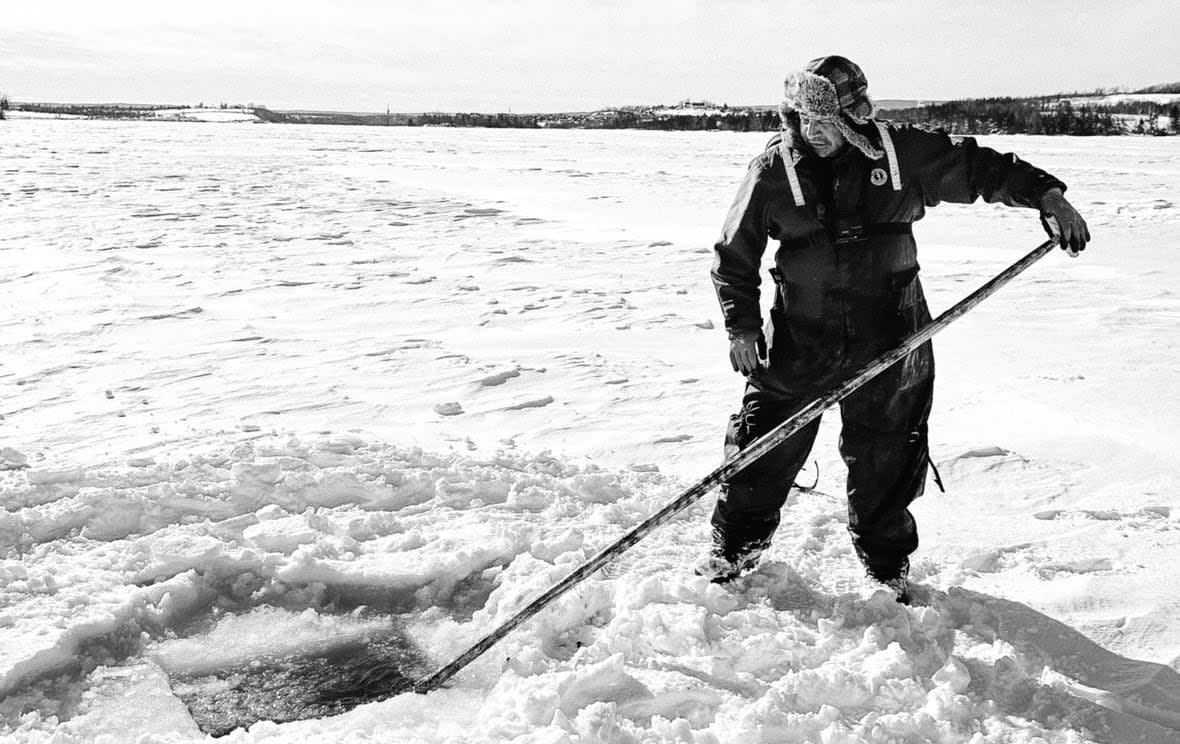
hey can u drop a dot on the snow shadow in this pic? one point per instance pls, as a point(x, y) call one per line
point(1028, 664)
point(1080, 683)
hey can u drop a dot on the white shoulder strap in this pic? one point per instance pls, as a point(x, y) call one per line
point(792, 176)
point(890, 154)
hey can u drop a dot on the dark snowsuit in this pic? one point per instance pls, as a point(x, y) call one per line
point(847, 289)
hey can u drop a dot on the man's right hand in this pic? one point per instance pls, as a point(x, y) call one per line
point(747, 352)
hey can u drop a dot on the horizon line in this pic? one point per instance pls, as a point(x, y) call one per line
point(913, 101)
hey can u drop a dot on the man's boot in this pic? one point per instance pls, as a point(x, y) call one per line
point(896, 581)
point(900, 587)
point(725, 563)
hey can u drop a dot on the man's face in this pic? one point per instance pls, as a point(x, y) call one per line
point(823, 136)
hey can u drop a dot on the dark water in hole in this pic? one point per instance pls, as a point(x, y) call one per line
point(295, 688)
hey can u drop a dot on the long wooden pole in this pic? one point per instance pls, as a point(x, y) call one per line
point(735, 465)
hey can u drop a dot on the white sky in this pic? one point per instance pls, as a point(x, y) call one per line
point(554, 55)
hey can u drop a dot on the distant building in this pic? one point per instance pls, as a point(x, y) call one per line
point(691, 104)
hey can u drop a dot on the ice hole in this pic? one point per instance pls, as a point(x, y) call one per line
point(276, 664)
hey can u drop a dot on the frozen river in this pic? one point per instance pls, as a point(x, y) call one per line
point(451, 363)
point(163, 281)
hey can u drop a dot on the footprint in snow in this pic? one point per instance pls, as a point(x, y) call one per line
point(11, 459)
point(1080, 566)
point(499, 378)
point(988, 451)
point(448, 409)
point(537, 403)
point(1106, 515)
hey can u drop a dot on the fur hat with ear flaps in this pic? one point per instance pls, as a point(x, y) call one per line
point(831, 89)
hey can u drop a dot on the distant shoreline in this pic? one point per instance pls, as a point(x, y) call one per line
point(1085, 115)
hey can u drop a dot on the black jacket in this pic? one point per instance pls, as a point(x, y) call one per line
point(847, 257)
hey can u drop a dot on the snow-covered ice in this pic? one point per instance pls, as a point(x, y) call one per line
point(278, 389)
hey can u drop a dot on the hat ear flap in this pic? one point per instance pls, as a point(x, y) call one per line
point(792, 130)
point(857, 139)
point(862, 110)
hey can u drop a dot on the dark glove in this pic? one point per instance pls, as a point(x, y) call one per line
point(747, 352)
point(1063, 222)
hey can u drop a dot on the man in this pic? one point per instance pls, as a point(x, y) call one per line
point(839, 191)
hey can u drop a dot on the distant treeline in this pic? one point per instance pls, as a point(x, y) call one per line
point(96, 110)
point(1161, 88)
point(1056, 114)
point(1044, 115)
point(116, 110)
point(1041, 116)
point(728, 120)
point(328, 117)
point(741, 120)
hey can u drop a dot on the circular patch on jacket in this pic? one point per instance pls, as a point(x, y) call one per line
point(877, 177)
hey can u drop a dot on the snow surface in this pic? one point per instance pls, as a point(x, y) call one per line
point(268, 388)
